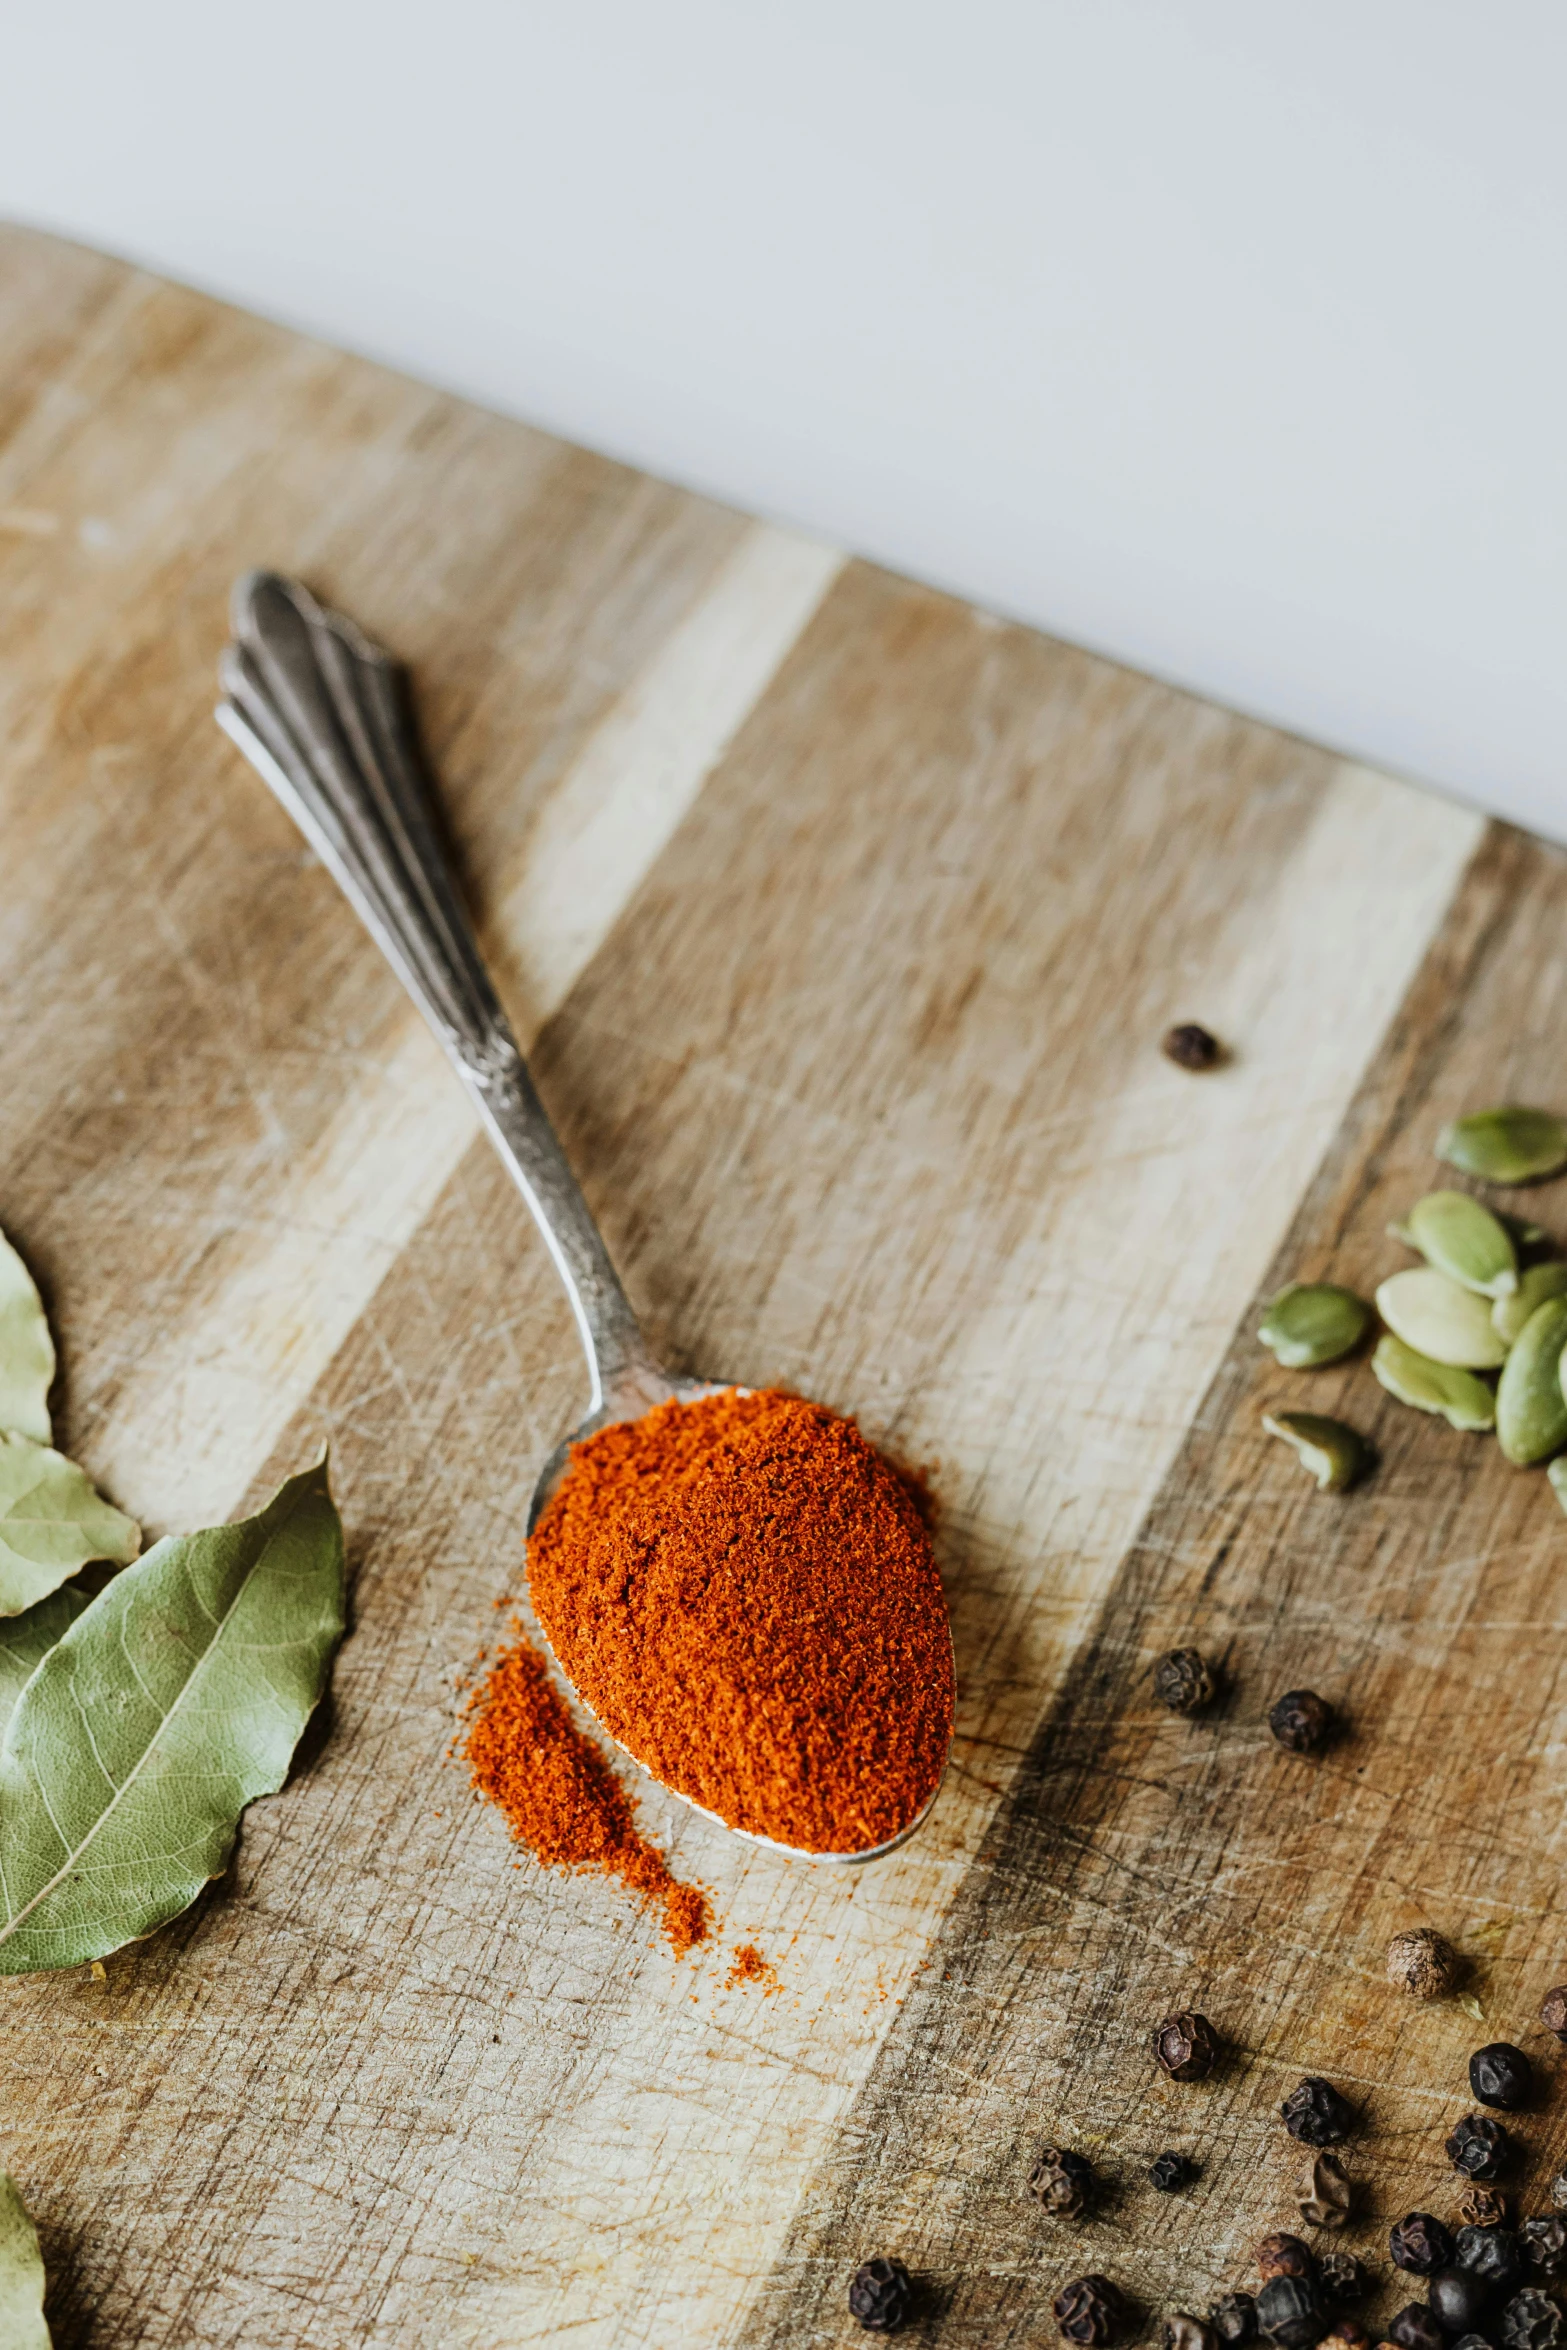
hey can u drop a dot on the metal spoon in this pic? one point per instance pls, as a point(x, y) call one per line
point(322, 714)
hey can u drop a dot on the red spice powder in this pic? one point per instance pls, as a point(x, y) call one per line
point(751, 1967)
point(562, 1799)
point(744, 1593)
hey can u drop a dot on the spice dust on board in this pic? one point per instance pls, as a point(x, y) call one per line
point(749, 1966)
point(744, 1593)
point(560, 1796)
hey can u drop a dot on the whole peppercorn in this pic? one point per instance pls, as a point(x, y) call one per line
point(1061, 2182)
point(1187, 2046)
point(1340, 2277)
point(879, 2295)
point(1089, 2311)
point(1192, 1047)
point(1458, 2299)
point(1325, 2192)
point(1478, 2146)
point(1531, 2321)
point(1471, 2342)
point(1234, 2320)
point(1171, 2172)
point(1183, 2332)
point(1483, 2207)
point(1420, 2244)
point(1553, 2011)
point(1491, 2254)
point(1543, 2244)
point(1284, 2255)
point(1415, 2328)
point(1559, 2190)
point(1316, 2114)
point(1422, 1964)
point(1301, 1721)
point(1349, 2332)
point(1183, 1680)
point(1501, 2075)
point(1289, 2312)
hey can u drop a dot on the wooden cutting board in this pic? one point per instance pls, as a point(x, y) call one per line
point(846, 920)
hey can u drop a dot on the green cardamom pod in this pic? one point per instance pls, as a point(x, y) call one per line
point(1534, 1287)
point(1313, 1322)
point(1465, 1241)
point(1557, 1473)
point(1510, 1145)
point(1463, 1400)
point(1531, 1411)
point(1440, 1320)
point(1333, 1453)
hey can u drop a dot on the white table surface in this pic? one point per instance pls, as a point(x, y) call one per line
point(1230, 340)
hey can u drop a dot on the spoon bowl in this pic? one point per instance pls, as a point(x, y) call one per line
point(322, 715)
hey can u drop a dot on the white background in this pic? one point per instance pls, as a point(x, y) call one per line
point(1226, 336)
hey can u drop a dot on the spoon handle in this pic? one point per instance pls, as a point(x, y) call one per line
point(322, 714)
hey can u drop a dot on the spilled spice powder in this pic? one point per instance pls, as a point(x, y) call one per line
point(751, 1967)
point(562, 1799)
point(744, 1593)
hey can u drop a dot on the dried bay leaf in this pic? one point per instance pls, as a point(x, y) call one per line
point(26, 1640)
point(26, 1350)
point(22, 2324)
point(176, 1698)
point(51, 1523)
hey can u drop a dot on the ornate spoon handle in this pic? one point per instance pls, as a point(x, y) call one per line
point(322, 714)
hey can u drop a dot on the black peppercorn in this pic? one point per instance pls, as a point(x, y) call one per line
point(1479, 2147)
point(1326, 2192)
point(1420, 2244)
point(1183, 1680)
point(1089, 2311)
point(1284, 2255)
point(1340, 2277)
point(1192, 1047)
point(1472, 2342)
point(1543, 2245)
point(1171, 2172)
point(1501, 2075)
point(879, 2295)
point(1458, 2299)
point(1185, 2332)
point(1483, 2207)
point(1061, 2182)
point(1349, 2332)
point(1553, 2011)
point(1301, 1721)
point(1316, 2113)
point(1415, 2328)
point(1531, 2321)
point(1491, 2253)
point(1234, 2320)
point(1187, 2046)
point(1559, 2190)
point(1289, 2312)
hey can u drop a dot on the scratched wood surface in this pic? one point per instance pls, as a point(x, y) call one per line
point(844, 920)
point(1140, 1862)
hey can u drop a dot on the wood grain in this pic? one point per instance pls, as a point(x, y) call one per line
point(857, 1058)
point(1142, 1863)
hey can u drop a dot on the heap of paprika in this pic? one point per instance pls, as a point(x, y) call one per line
point(743, 1591)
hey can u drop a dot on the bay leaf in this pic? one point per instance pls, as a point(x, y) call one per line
point(51, 1523)
point(25, 1641)
point(26, 1350)
point(22, 2324)
point(176, 1697)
